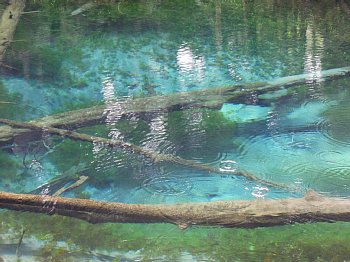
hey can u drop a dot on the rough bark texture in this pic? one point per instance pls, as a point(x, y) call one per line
point(8, 23)
point(245, 213)
point(208, 98)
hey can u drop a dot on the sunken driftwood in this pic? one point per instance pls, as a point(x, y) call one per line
point(243, 213)
point(78, 183)
point(58, 182)
point(83, 8)
point(134, 149)
point(8, 23)
point(209, 98)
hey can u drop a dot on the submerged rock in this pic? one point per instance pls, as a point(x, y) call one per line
point(240, 113)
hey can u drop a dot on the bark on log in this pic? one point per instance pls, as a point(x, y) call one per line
point(243, 213)
point(208, 98)
point(8, 23)
point(134, 149)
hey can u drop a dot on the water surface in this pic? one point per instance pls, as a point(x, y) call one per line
point(119, 51)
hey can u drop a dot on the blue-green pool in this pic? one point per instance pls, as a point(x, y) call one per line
point(109, 53)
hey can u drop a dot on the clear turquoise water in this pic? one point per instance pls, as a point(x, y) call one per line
point(113, 52)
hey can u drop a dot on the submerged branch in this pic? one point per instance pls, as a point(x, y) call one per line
point(208, 98)
point(243, 213)
point(134, 149)
point(83, 8)
point(8, 24)
point(57, 183)
point(78, 183)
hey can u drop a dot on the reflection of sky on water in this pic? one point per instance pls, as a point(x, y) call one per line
point(191, 66)
point(314, 52)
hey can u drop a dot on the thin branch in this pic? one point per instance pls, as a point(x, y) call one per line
point(18, 254)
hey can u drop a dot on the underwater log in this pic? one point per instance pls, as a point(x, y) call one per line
point(235, 213)
point(8, 24)
point(208, 98)
point(83, 8)
point(134, 149)
point(78, 183)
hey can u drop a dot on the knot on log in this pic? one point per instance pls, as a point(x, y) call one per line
point(312, 195)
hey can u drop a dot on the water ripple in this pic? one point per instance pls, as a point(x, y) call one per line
point(335, 126)
point(333, 157)
point(335, 180)
point(209, 158)
point(228, 166)
point(167, 185)
point(300, 171)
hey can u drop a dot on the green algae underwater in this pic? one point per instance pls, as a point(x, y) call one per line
point(145, 48)
point(309, 242)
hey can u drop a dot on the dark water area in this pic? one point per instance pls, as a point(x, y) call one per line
point(151, 70)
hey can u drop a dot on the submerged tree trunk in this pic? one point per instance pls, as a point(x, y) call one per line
point(134, 149)
point(243, 213)
point(208, 98)
point(8, 23)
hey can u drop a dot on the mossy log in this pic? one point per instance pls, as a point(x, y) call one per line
point(243, 213)
point(134, 149)
point(208, 98)
point(8, 24)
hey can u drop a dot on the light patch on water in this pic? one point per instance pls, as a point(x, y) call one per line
point(308, 112)
point(240, 113)
point(190, 65)
point(260, 191)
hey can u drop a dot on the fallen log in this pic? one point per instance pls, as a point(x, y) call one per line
point(134, 149)
point(8, 24)
point(242, 213)
point(208, 98)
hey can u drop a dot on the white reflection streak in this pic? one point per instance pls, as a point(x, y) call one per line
point(112, 113)
point(313, 53)
point(108, 90)
point(196, 135)
point(190, 65)
point(113, 109)
point(157, 133)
